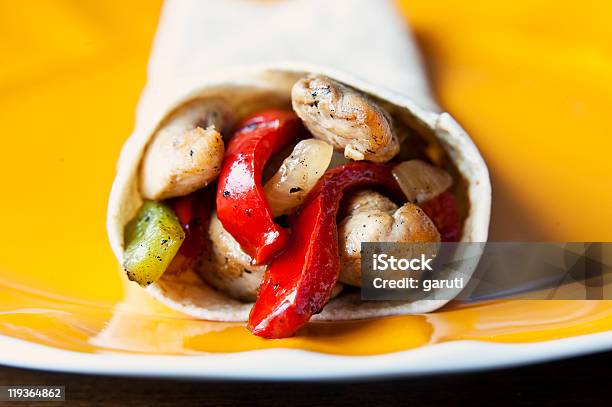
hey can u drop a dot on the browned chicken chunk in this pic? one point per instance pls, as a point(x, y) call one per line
point(185, 154)
point(227, 268)
point(345, 118)
point(372, 217)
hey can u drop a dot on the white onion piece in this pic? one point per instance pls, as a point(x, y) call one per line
point(420, 181)
point(297, 175)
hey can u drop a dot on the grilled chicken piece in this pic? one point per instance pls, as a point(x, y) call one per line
point(186, 152)
point(227, 268)
point(345, 118)
point(372, 217)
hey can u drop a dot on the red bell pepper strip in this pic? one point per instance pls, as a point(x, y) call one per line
point(299, 282)
point(444, 213)
point(241, 204)
point(193, 212)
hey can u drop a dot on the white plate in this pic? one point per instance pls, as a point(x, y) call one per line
point(286, 364)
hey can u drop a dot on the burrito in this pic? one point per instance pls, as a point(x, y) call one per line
point(248, 197)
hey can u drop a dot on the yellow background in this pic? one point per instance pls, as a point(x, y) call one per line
point(530, 80)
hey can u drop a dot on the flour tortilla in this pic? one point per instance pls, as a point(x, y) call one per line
point(257, 87)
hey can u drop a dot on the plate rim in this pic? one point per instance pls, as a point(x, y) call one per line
point(282, 364)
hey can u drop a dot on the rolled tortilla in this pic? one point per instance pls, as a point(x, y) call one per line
point(260, 87)
point(268, 84)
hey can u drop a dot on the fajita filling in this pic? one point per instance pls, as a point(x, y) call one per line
point(273, 209)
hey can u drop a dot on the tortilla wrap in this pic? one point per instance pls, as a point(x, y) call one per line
point(260, 87)
point(195, 56)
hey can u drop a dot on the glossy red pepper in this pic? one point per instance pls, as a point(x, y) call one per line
point(444, 213)
point(241, 204)
point(299, 282)
point(193, 212)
